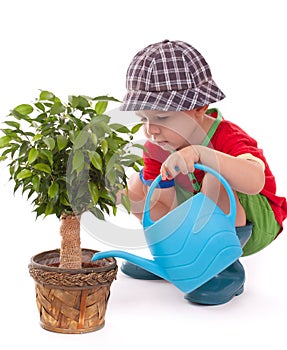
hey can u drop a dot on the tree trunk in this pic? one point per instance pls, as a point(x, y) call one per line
point(71, 253)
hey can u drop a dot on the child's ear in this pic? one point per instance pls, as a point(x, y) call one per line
point(202, 109)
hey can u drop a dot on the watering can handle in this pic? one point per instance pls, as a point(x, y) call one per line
point(232, 212)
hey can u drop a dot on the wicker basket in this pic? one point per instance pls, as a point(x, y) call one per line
point(72, 301)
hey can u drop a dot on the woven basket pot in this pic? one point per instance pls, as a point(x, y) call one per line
point(68, 300)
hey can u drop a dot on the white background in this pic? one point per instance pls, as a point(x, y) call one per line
point(84, 47)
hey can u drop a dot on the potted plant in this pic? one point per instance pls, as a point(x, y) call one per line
point(69, 158)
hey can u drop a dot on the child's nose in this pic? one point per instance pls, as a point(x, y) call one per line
point(152, 129)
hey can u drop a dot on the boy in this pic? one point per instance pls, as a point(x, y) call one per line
point(170, 87)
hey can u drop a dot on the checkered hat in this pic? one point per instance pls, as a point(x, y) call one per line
point(169, 76)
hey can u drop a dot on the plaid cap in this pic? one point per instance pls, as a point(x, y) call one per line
point(169, 76)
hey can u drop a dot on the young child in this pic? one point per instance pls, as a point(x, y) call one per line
point(170, 87)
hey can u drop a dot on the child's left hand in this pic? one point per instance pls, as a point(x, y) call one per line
point(181, 161)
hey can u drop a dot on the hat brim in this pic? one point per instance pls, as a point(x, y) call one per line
point(200, 96)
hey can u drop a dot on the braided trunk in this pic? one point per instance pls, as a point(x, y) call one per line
point(71, 253)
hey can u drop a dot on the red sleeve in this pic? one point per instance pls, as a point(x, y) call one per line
point(231, 139)
point(153, 158)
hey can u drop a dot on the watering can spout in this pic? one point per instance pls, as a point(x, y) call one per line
point(144, 263)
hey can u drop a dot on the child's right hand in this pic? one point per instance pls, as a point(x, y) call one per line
point(181, 161)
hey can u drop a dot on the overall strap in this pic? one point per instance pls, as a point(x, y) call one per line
point(208, 137)
point(214, 126)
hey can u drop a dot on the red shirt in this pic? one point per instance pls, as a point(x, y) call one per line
point(230, 139)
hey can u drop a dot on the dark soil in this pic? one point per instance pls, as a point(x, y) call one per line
point(52, 259)
point(97, 263)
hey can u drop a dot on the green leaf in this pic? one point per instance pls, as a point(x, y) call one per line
point(14, 124)
point(83, 102)
point(41, 118)
point(24, 109)
point(23, 148)
point(101, 119)
point(81, 139)
point(47, 155)
point(23, 174)
point(57, 108)
point(74, 101)
point(136, 128)
point(72, 135)
point(131, 158)
point(94, 139)
point(78, 161)
point(75, 120)
point(12, 170)
point(138, 145)
point(33, 155)
point(36, 182)
point(46, 96)
point(50, 142)
point(63, 200)
point(61, 142)
point(105, 98)
point(111, 176)
point(119, 168)
point(79, 102)
point(40, 210)
point(126, 202)
point(113, 146)
point(14, 136)
point(119, 128)
point(98, 213)
point(104, 146)
point(37, 137)
point(42, 167)
point(4, 141)
point(40, 106)
point(53, 189)
point(96, 160)
point(94, 192)
point(49, 208)
point(81, 190)
point(101, 106)
point(110, 196)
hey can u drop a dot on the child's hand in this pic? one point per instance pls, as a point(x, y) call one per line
point(179, 162)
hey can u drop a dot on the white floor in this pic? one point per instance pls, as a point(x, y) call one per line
point(140, 314)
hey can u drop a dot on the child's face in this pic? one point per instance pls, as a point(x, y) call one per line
point(170, 130)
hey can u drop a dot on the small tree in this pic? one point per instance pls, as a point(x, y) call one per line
point(69, 158)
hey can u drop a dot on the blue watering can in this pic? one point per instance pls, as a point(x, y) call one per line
point(190, 244)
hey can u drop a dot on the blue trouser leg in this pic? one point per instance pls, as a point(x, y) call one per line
point(244, 233)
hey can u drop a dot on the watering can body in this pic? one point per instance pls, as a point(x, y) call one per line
point(192, 243)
